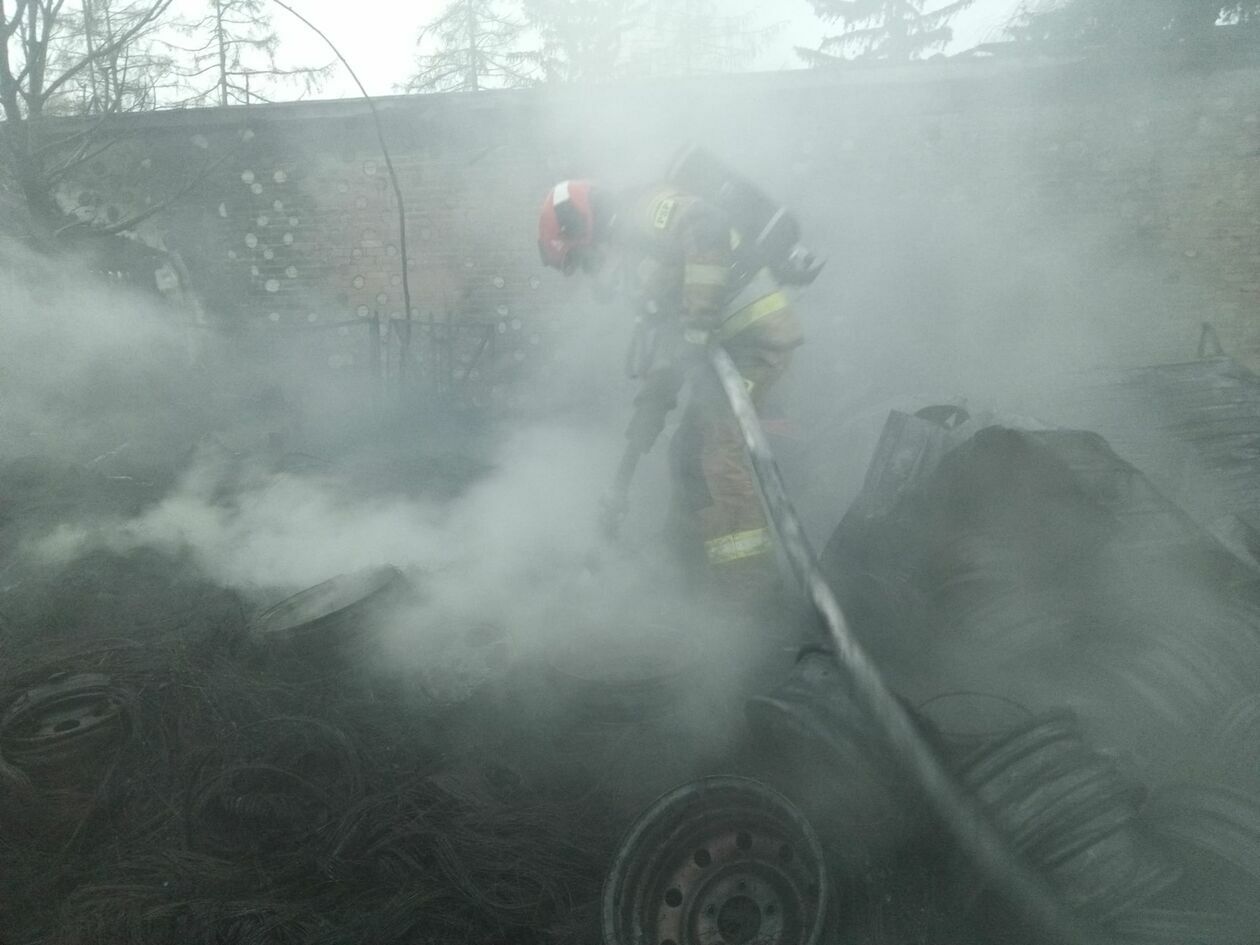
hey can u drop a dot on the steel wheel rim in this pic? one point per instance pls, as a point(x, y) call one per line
point(722, 861)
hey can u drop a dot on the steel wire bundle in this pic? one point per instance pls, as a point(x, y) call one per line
point(181, 896)
point(273, 795)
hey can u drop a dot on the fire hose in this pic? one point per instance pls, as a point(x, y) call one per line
point(972, 828)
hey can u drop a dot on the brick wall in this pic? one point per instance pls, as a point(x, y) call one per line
point(974, 213)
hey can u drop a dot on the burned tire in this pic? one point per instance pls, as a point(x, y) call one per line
point(721, 860)
point(1072, 814)
point(820, 747)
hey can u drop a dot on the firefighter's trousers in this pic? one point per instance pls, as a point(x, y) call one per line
point(717, 516)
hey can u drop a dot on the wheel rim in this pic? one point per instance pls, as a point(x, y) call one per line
point(723, 861)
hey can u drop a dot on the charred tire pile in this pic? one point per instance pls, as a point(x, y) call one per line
point(1071, 814)
point(1046, 553)
point(1068, 811)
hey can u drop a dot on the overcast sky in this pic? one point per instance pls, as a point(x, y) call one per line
point(378, 36)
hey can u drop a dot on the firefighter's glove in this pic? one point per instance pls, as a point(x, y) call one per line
point(612, 512)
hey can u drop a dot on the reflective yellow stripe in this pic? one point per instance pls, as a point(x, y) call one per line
point(739, 545)
point(705, 274)
point(750, 314)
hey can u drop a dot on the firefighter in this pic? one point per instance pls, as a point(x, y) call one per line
point(673, 256)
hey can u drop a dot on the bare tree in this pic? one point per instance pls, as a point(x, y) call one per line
point(94, 62)
point(44, 59)
point(883, 29)
point(472, 45)
point(119, 76)
point(231, 57)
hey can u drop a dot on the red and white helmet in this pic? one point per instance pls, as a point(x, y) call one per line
point(566, 223)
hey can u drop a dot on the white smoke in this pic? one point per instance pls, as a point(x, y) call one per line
point(250, 529)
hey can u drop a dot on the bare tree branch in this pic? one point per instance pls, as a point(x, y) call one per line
point(81, 157)
point(9, 26)
point(145, 21)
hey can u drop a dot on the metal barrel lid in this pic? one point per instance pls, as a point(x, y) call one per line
point(330, 611)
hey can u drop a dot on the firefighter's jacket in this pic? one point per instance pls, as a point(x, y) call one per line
point(679, 258)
